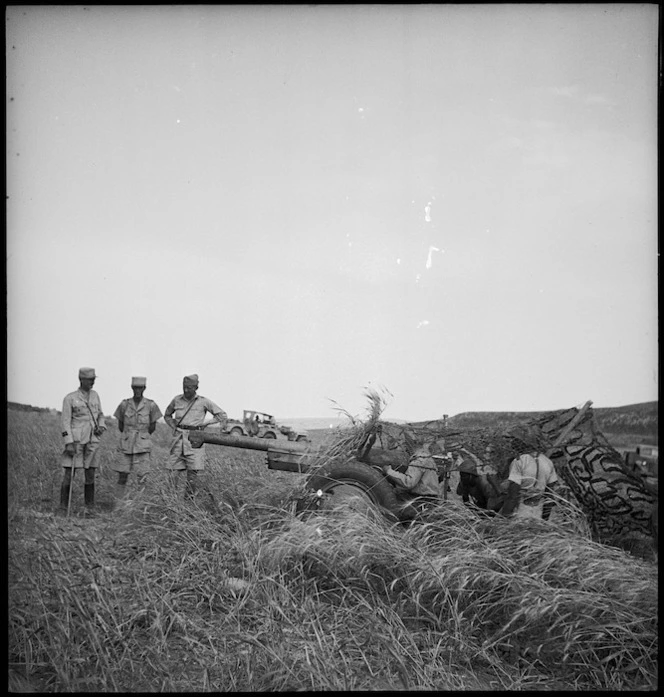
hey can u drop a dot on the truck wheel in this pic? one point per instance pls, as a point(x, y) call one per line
point(299, 439)
point(236, 431)
point(270, 434)
point(353, 482)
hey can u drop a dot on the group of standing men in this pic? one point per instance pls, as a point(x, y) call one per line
point(83, 424)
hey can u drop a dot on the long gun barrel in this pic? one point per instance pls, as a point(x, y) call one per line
point(296, 457)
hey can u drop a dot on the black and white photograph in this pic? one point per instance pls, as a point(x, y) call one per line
point(332, 347)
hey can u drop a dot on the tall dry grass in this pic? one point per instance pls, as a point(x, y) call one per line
point(235, 592)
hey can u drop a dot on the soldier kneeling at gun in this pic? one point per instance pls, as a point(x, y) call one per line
point(418, 484)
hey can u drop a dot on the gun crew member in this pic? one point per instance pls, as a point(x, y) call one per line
point(472, 485)
point(531, 481)
point(137, 419)
point(418, 484)
point(187, 412)
point(82, 425)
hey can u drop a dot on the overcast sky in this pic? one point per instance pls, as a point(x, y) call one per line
point(456, 204)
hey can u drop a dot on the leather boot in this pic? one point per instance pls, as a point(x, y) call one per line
point(89, 493)
point(64, 497)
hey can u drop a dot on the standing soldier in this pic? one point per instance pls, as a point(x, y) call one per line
point(82, 425)
point(137, 419)
point(186, 412)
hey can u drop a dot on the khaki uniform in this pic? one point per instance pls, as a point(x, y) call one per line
point(135, 441)
point(183, 455)
point(81, 416)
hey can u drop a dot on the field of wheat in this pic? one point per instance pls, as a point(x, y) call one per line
point(235, 592)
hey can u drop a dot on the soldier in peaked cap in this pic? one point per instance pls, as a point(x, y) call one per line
point(137, 419)
point(186, 412)
point(82, 426)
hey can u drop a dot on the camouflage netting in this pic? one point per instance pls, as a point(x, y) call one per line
point(617, 502)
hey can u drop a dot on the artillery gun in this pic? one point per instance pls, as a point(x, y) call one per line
point(356, 477)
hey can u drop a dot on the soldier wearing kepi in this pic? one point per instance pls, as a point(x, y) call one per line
point(82, 425)
point(137, 419)
point(186, 412)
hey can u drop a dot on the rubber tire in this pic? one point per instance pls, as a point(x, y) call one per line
point(299, 439)
point(269, 435)
point(236, 431)
point(370, 483)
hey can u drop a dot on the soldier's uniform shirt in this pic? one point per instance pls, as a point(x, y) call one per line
point(183, 455)
point(533, 472)
point(135, 441)
point(135, 437)
point(421, 476)
point(81, 414)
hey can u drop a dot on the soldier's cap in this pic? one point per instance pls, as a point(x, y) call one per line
point(86, 373)
point(138, 382)
point(191, 380)
point(467, 466)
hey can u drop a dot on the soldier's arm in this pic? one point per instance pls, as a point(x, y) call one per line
point(511, 500)
point(513, 488)
point(119, 415)
point(168, 415)
point(155, 415)
point(217, 412)
point(66, 421)
point(101, 421)
point(408, 479)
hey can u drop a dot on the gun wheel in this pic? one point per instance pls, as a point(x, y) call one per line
point(236, 431)
point(353, 483)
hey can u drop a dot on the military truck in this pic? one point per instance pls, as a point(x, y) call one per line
point(258, 424)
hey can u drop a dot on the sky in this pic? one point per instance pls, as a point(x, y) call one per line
point(452, 205)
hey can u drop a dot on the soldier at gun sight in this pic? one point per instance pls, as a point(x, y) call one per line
point(418, 484)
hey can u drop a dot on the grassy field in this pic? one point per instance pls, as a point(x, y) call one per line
point(233, 592)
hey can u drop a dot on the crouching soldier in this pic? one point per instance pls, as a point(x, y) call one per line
point(137, 419)
point(82, 426)
point(473, 486)
point(417, 485)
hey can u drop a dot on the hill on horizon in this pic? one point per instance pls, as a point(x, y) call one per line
point(631, 423)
